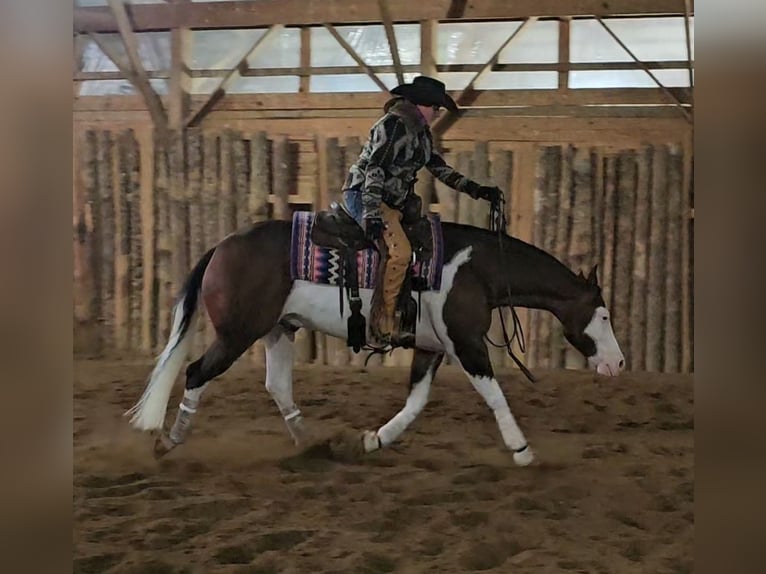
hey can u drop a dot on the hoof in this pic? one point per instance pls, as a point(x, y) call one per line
point(524, 458)
point(163, 445)
point(370, 441)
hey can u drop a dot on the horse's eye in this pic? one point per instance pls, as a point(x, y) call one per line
point(605, 318)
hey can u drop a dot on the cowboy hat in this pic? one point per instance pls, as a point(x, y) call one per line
point(425, 91)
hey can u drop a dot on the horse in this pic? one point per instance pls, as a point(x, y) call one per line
point(245, 284)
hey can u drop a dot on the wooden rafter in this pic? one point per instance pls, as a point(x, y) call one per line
point(140, 79)
point(220, 91)
point(385, 16)
point(351, 52)
point(429, 69)
point(181, 46)
point(305, 73)
point(646, 69)
point(428, 32)
point(468, 95)
point(263, 13)
point(564, 27)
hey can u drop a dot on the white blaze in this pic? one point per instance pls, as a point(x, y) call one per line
point(608, 359)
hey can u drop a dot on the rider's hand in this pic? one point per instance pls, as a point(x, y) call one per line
point(491, 194)
point(373, 228)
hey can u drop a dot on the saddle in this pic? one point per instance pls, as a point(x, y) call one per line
point(336, 229)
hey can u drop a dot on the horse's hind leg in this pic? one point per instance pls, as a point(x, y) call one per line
point(280, 353)
point(424, 365)
point(215, 361)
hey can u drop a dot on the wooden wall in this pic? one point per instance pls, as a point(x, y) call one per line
point(143, 215)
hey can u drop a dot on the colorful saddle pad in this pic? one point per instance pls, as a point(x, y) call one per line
point(309, 262)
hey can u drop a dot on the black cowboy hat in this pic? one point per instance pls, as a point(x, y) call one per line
point(425, 91)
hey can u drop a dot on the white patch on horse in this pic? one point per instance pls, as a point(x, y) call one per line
point(280, 354)
point(317, 307)
point(608, 359)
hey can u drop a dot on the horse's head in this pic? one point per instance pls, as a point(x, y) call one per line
point(587, 326)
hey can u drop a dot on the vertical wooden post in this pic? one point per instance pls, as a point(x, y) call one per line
point(281, 171)
point(239, 179)
point(93, 239)
point(579, 254)
point(210, 200)
point(135, 237)
point(197, 243)
point(107, 239)
point(164, 242)
point(147, 212)
point(305, 59)
point(227, 217)
point(673, 277)
point(121, 242)
point(655, 325)
point(564, 54)
point(687, 249)
point(640, 264)
point(561, 244)
point(626, 206)
point(258, 204)
point(609, 227)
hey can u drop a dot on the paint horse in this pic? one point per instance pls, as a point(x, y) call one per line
point(250, 293)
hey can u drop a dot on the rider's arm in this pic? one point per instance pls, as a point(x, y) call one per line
point(450, 176)
point(382, 143)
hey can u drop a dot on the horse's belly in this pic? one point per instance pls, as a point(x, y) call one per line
point(317, 307)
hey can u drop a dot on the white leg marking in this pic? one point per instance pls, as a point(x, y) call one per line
point(280, 353)
point(513, 438)
point(417, 399)
point(186, 410)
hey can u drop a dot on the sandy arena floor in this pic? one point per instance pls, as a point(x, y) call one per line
point(612, 491)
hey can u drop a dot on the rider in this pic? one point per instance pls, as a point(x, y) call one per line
point(380, 183)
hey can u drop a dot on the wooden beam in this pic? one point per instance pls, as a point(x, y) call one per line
point(220, 91)
point(178, 108)
point(264, 13)
point(429, 30)
point(141, 80)
point(385, 16)
point(564, 54)
point(665, 90)
point(305, 72)
point(351, 52)
point(373, 100)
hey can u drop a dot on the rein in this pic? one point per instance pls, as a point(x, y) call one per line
point(498, 222)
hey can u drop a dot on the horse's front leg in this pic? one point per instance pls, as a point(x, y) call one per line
point(474, 359)
point(424, 365)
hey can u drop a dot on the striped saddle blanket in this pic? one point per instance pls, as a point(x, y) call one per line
point(310, 262)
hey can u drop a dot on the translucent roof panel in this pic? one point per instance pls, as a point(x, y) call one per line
point(471, 44)
point(628, 79)
point(153, 49)
point(538, 43)
point(518, 81)
point(119, 87)
point(221, 49)
point(354, 82)
point(369, 42)
point(650, 39)
point(280, 50)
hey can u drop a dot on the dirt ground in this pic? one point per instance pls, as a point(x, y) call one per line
point(612, 490)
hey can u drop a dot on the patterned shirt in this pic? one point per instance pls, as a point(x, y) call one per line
point(400, 144)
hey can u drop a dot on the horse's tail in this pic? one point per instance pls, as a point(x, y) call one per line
point(149, 412)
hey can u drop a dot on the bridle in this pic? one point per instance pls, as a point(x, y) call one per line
point(498, 222)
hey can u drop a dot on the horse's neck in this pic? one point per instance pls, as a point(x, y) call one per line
point(534, 278)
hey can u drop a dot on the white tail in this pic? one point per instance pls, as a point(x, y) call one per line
point(149, 412)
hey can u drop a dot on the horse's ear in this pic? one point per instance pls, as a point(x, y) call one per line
point(592, 279)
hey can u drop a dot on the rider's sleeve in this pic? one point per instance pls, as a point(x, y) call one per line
point(450, 176)
point(382, 150)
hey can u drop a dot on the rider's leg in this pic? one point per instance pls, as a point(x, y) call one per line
point(399, 255)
